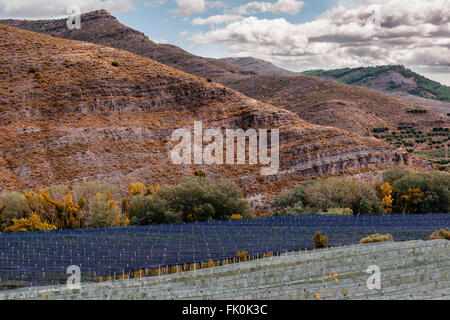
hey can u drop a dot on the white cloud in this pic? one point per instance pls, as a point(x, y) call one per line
point(47, 9)
point(218, 19)
point(412, 32)
point(216, 4)
point(281, 6)
point(189, 7)
point(154, 3)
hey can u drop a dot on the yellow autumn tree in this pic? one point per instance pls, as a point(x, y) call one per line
point(62, 214)
point(31, 223)
point(386, 196)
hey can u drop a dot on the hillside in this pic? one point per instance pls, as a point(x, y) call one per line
point(395, 80)
point(257, 65)
point(321, 102)
point(73, 111)
point(100, 27)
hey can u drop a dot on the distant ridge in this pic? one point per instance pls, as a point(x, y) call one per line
point(395, 80)
point(257, 65)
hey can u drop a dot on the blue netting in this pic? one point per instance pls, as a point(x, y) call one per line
point(41, 258)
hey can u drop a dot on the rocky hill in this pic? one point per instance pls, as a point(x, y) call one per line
point(395, 80)
point(257, 65)
point(319, 101)
point(72, 111)
point(100, 27)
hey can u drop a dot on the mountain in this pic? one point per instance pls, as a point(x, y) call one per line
point(395, 80)
point(320, 101)
point(100, 27)
point(258, 66)
point(73, 111)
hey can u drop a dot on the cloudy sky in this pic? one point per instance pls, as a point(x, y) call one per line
point(295, 34)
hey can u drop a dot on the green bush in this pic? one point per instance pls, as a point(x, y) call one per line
point(323, 194)
point(339, 192)
point(380, 130)
point(201, 199)
point(434, 186)
point(289, 198)
point(147, 210)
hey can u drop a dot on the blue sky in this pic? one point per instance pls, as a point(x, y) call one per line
point(294, 34)
point(161, 24)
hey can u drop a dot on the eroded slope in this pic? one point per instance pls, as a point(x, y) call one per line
point(72, 111)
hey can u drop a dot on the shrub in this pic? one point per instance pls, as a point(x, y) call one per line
point(89, 190)
point(380, 130)
point(339, 192)
point(320, 241)
point(147, 210)
point(322, 194)
point(394, 174)
point(32, 70)
point(13, 205)
point(62, 214)
point(338, 211)
point(201, 199)
point(86, 194)
point(115, 64)
point(377, 238)
point(289, 198)
point(242, 256)
point(422, 192)
point(58, 192)
point(297, 209)
point(104, 212)
point(200, 173)
point(440, 234)
point(136, 188)
point(31, 223)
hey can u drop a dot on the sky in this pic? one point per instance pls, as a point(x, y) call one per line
point(295, 34)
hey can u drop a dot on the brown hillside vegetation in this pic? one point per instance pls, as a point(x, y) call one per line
point(72, 111)
point(100, 27)
point(319, 101)
point(327, 102)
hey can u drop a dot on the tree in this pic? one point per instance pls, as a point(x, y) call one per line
point(104, 212)
point(386, 196)
point(13, 205)
point(411, 199)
